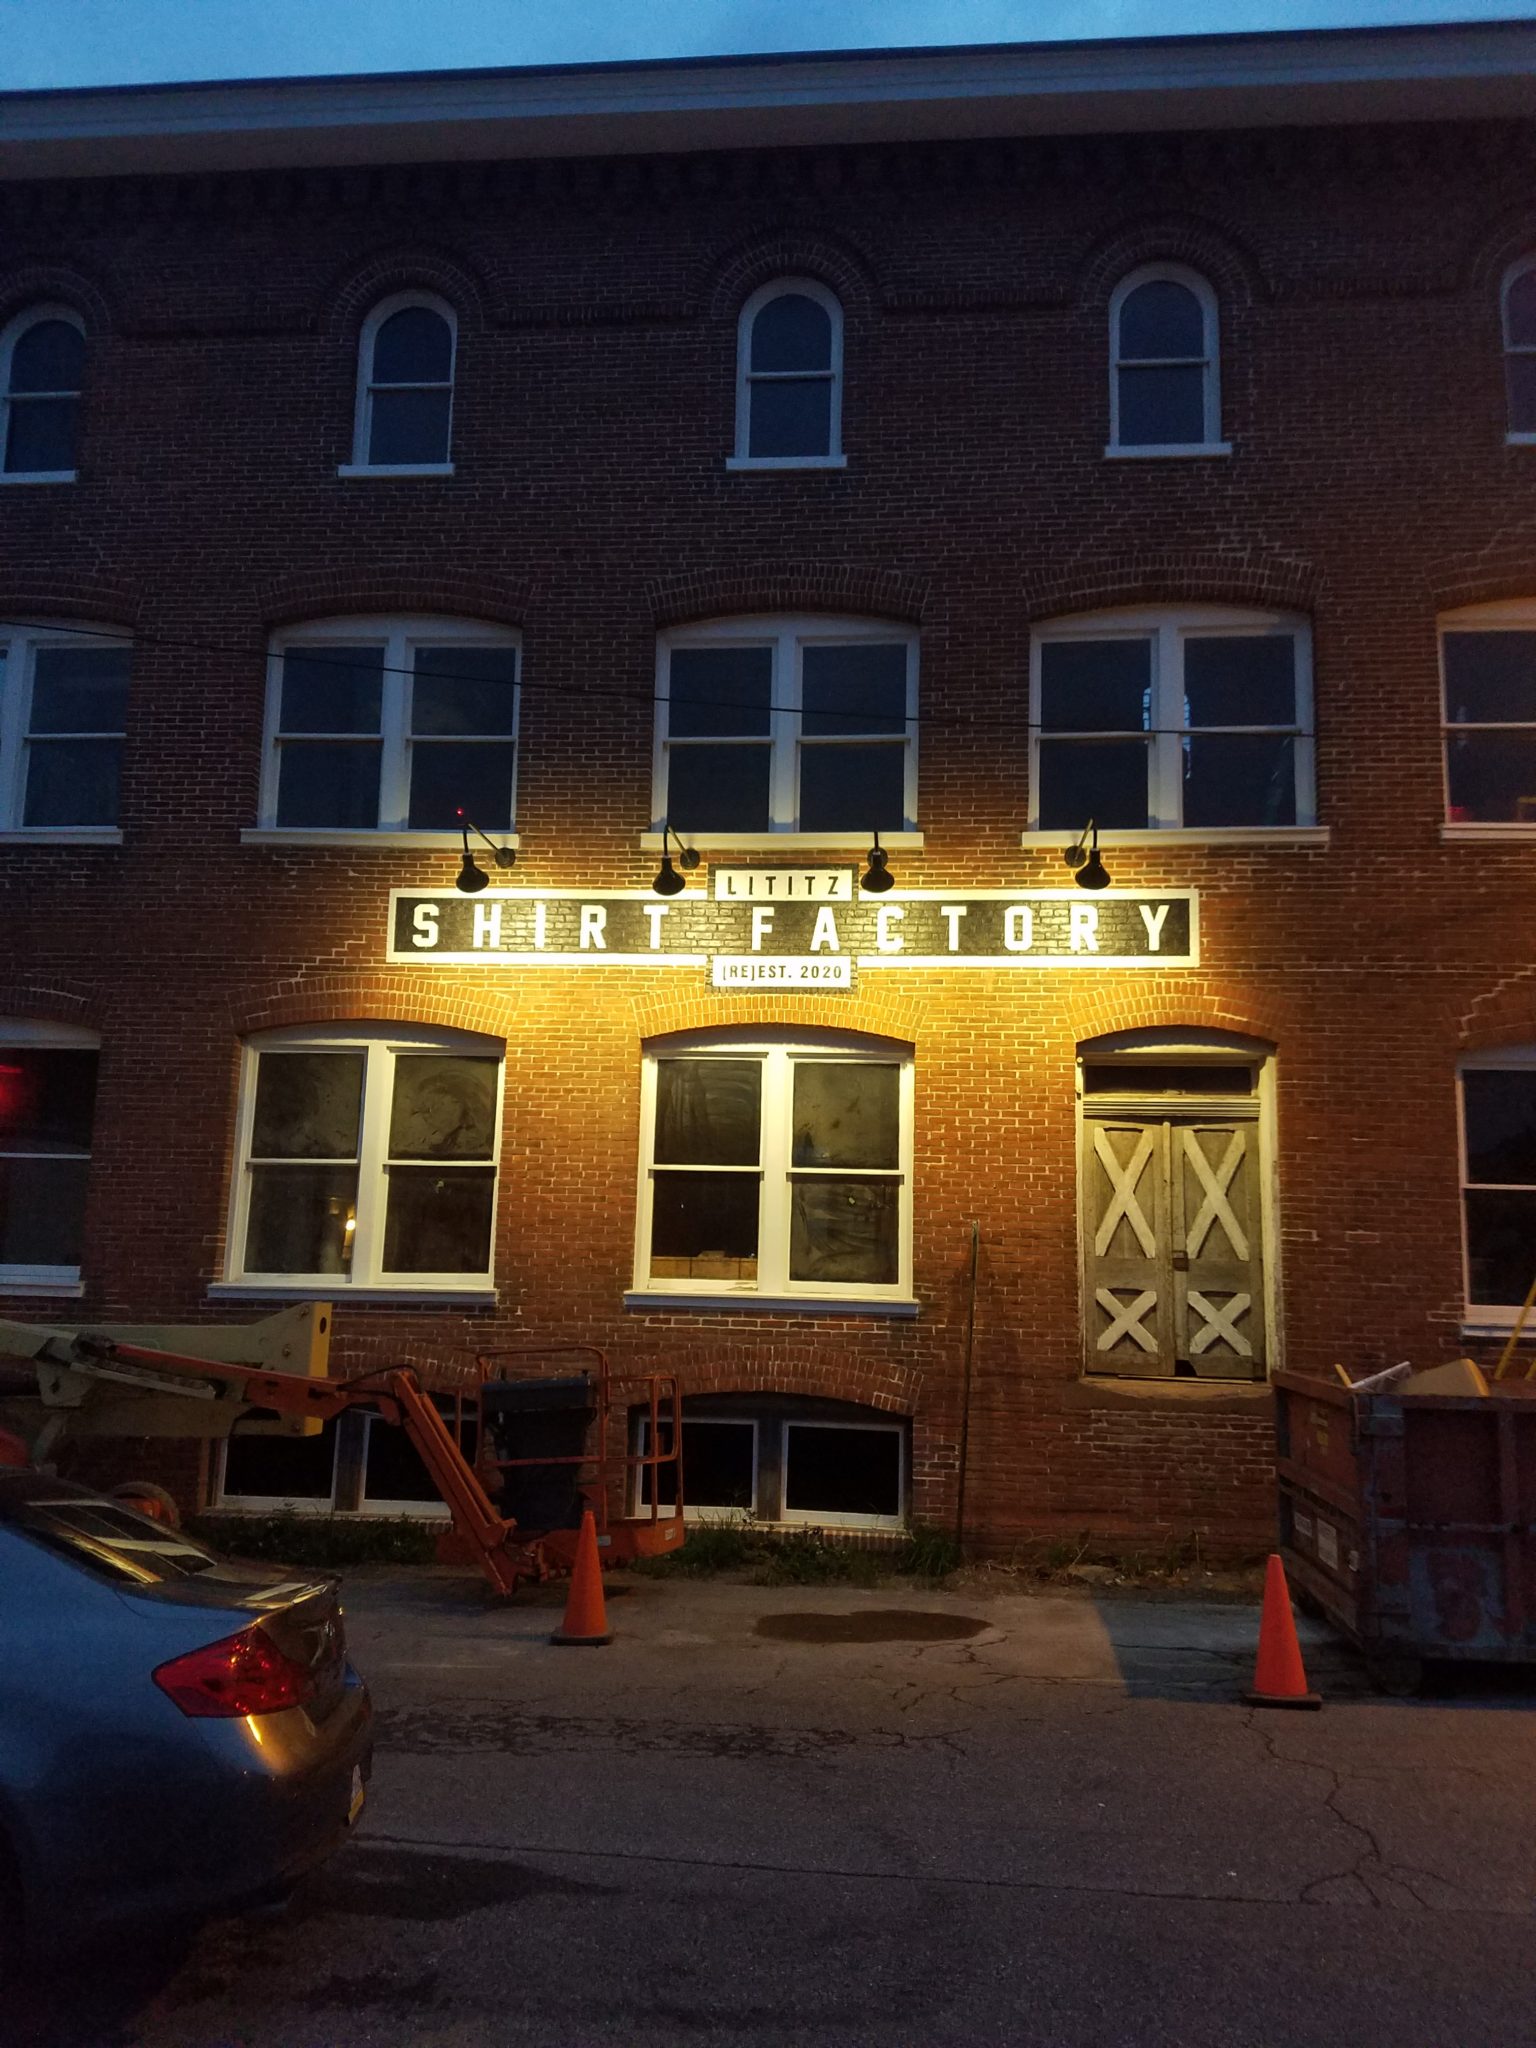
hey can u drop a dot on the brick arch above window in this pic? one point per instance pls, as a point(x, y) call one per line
point(76, 1009)
point(1184, 241)
point(379, 1001)
point(108, 605)
point(1094, 1017)
point(36, 284)
point(839, 265)
point(1510, 238)
point(893, 1389)
point(344, 593)
point(1184, 576)
point(832, 587)
point(439, 273)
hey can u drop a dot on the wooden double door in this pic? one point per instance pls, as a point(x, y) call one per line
point(1173, 1242)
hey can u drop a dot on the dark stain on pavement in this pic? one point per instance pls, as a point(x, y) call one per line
point(872, 1625)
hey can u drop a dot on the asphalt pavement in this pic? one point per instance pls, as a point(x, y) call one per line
point(832, 1816)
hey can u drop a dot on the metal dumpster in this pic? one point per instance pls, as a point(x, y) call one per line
point(1410, 1522)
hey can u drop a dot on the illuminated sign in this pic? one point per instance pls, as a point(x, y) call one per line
point(738, 935)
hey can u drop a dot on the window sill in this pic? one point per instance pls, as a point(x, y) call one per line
point(58, 1290)
point(1473, 830)
point(363, 841)
point(440, 1293)
point(1520, 440)
point(770, 1304)
point(359, 469)
point(748, 464)
point(784, 842)
point(63, 835)
point(1174, 451)
point(1215, 835)
point(37, 476)
point(1489, 1324)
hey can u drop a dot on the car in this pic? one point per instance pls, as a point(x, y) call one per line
point(180, 1735)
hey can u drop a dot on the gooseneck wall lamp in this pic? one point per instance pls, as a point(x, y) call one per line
point(877, 877)
point(668, 881)
point(1082, 856)
point(472, 878)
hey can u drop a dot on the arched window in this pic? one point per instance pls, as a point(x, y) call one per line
point(42, 363)
point(1520, 348)
point(405, 385)
point(789, 376)
point(1164, 387)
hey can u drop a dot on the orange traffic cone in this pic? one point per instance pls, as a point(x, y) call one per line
point(586, 1618)
point(1278, 1677)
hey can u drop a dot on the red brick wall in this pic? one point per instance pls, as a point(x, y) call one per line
point(1370, 485)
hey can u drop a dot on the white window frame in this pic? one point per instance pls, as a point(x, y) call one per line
point(31, 317)
point(824, 1518)
point(19, 647)
point(27, 1035)
point(1516, 615)
point(1498, 1315)
point(279, 1503)
point(692, 1513)
point(400, 638)
point(381, 1042)
point(1210, 442)
point(1169, 628)
point(778, 1053)
point(362, 421)
point(788, 635)
point(1525, 267)
point(746, 377)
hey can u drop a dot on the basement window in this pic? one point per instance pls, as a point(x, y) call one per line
point(785, 1460)
point(47, 1109)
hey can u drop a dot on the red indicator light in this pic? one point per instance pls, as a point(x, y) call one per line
point(243, 1674)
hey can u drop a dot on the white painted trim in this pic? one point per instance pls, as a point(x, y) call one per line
point(778, 288)
point(62, 835)
point(12, 1282)
point(362, 422)
point(356, 469)
point(708, 1512)
point(224, 1502)
point(829, 1518)
point(769, 1304)
point(1209, 364)
point(439, 1295)
point(1520, 440)
point(19, 647)
point(60, 1282)
point(1172, 451)
point(21, 324)
point(1504, 615)
point(1498, 1317)
point(747, 464)
point(1473, 831)
point(1214, 836)
point(786, 842)
point(349, 841)
point(37, 476)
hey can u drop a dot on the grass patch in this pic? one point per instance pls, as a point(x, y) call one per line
point(800, 1557)
point(327, 1540)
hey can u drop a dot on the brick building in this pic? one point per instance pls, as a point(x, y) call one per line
point(745, 459)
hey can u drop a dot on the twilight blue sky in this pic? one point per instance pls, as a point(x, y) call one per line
point(134, 42)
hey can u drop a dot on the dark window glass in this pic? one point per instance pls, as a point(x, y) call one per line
point(447, 779)
point(47, 1099)
point(309, 1105)
point(281, 1467)
point(328, 783)
point(1162, 408)
point(73, 782)
point(852, 789)
point(392, 1466)
point(444, 1107)
point(1096, 685)
point(332, 689)
point(845, 1230)
point(718, 1464)
point(860, 689)
point(464, 691)
point(49, 356)
point(40, 435)
point(1521, 375)
point(79, 689)
point(1492, 776)
point(792, 332)
point(1239, 779)
point(1520, 310)
point(439, 1220)
point(792, 417)
point(847, 1113)
point(1124, 1077)
point(842, 1471)
point(719, 692)
point(704, 1225)
point(1489, 678)
point(1240, 679)
point(1501, 1245)
point(1499, 1106)
point(718, 789)
point(413, 346)
point(42, 1211)
point(1159, 319)
point(301, 1219)
point(1105, 780)
point(409, 427)
point(708, 1112)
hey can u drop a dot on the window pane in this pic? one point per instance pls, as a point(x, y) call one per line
point(844, 1230)
point(792, 332)
point(1490, 677)
point(439, 1219)
point(301, 1219)
point(704, 1226)
point(466, 690)
point(854, 689)
point(1500, 1113)
point(718, 1464)
point(42, 1211)
point(853, 789)
point(50, 356)
point(847, 1113)
point(1161, 318)
point(791, 418)
point(1501, 1246)
point(719, 692)
point(1105, 780)
point(1162, 408)
point(409, 426)
point(1126, 1077)
point(79, 689)
point(1520, 310)
point(40, 434)
point(281, 1467)
point(1493, 776)
point(842, 1471)
point(413, 346)
point(708, 1112)
point(443, 1107)
point(1239, 779)
point(717, 789)
point(332, 689)
point(47, 1099)
point(1240, 679)
point(73, 782)
point(308, 1105)
point(476, 780)
point(1096, 685)
point(392, 1466)
point(1520, 374)
point(328, 783)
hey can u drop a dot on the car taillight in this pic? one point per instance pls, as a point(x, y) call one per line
point(243, 1674)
